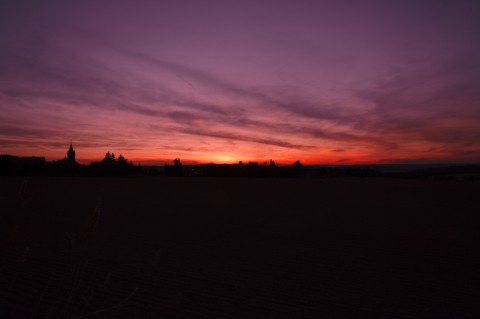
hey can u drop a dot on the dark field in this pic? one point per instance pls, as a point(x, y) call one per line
point(238, 248)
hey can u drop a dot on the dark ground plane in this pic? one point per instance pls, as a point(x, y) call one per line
point(238, 248)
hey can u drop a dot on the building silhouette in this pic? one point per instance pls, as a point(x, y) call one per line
point(22, 160)
point(71, 154)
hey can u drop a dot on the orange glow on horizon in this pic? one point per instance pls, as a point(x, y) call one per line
point(280, 156)
point(231, 91)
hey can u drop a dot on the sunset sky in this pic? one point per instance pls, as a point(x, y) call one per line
point(326, 82)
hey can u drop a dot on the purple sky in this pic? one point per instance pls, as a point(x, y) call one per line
point(223, 81)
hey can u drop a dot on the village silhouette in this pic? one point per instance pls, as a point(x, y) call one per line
point(111, 165)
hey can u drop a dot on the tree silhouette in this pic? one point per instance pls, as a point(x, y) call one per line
point(111, 166)
point(177, 163)
point(109, 158)
point(121, 161)
point(297, 164)
point(176, 169)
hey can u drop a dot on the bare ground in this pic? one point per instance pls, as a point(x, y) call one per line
point(238, 248)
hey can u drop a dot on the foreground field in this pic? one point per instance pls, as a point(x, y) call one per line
point(238, 248)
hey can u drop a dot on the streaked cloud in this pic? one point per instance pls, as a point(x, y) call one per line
point(290, 83)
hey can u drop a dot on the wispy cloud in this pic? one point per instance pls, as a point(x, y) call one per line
point(308, 97)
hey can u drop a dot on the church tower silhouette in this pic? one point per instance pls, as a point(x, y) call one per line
point(71, 153)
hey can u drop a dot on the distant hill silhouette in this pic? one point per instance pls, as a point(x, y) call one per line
point(110, 165)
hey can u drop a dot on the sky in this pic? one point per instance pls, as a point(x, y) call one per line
point(325, 82)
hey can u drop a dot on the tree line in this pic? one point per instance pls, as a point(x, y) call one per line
point(112, 165)
point(250, 169)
